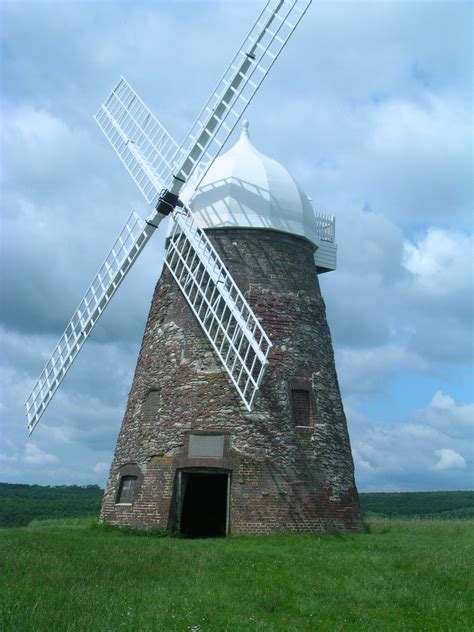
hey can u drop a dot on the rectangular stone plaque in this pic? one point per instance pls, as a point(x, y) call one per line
point(206, 446)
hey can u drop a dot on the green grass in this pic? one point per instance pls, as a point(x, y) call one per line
point(85, 521)
point(402, 575)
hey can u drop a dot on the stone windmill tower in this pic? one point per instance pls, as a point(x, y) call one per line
point(189, 456)
point(210, 444)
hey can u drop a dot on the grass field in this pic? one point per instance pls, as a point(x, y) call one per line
point(402, 575)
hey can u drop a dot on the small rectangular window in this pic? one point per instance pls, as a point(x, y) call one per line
point(151, 405)
point(127, 489)
point(300, 403)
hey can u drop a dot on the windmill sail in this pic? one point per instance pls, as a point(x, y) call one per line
point(131, 241)
point(226, 318)
point(160, 168)
point(140, 140)
point(238, 85)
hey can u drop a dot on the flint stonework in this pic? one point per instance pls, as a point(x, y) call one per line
point(284, 478)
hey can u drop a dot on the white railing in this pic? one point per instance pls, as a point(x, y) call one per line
point(326, 227)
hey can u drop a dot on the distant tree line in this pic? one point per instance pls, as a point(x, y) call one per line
point(434, 504)
point(20, 504)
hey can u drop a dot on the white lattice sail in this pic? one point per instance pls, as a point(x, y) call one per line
point(238, 85)
point(139, 139)
point(224, 315)
point(128, 245)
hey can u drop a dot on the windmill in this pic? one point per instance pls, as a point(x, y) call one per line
point(157, 465)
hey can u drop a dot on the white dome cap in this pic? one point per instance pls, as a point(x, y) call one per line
point(245, 189)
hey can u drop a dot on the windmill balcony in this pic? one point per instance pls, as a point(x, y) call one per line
point(326, 253)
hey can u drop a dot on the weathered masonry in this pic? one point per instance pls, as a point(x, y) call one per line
point(189, 456)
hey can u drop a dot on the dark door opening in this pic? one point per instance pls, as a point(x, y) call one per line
point(204, 504)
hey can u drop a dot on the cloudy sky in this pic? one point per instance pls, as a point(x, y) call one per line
point(369, 107)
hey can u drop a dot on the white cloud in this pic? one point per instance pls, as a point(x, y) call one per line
point(441, 262)
point(364, 372)
point(412, 454)
point(449, 460)
point(35, 456)
point(419, 160)
point(8, 458)
point(412, 296)
point(100, 467)
point(44, 154)
point(441, 401)
point(447, 416)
